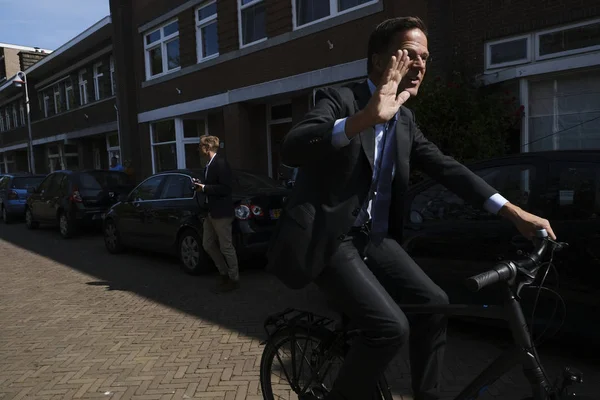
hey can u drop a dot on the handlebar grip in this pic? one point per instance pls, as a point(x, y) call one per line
point(501, 272)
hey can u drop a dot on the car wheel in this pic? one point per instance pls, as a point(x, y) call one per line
point(5, 217)
point(194, 259)
point(66, 226)
point(112, 238)
point(29, 222)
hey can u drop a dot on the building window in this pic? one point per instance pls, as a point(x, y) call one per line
point(14, 115)
point(54, 159)
point(83, 94)
point(164, 146)
point(113, 83)
point(564, 112)
point(70, 153)
point(252, 21)
point(569, 40)
point(69, 94)
point(97, 80)
point(7, 113)
point(57, 99)
point(193, 129)
point(113, 147)
point(206, 31)
point(506, 52)
point(162, 50)
point(1, 122)
point(22, 113)
point(311, 11)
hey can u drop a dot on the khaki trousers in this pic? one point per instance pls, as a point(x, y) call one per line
point(217, 242)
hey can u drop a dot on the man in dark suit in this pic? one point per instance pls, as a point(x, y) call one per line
point(216, 239)
point(342, 223)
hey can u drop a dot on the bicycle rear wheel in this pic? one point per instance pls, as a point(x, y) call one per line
point(309, 362)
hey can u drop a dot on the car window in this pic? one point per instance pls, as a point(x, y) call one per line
point(26, 182)
point(440, 204)
point(55, 184)
point(45, 185)
point(177, 187)
point(573, 191)
point(147, 190)
point(3, 182)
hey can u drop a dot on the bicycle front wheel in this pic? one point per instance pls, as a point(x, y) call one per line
point(299, 361)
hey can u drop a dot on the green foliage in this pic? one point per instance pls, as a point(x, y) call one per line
point(467, 121)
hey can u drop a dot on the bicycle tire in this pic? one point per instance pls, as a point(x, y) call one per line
point(319, 335)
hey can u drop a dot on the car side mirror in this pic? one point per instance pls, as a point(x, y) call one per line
point(416, 217)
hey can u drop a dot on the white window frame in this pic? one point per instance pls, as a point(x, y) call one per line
point(46, 102)
point(162, 42)
point(110, 149)
point(22, 113)
point(14, 114)
point(537, 35)
point(333, 12)
point(201, 24)
point(52, 157)
point(112, 75)
point(56, 93)
point(97, 76)
point(240, 32)
point(180, 142)
point(69, 88)
point(488, 52)
point(83, 94)
point(65, 155)
point(7, 113)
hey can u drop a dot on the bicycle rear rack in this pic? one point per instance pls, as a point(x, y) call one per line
point(292, 317)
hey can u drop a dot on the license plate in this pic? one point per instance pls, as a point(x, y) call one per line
point(275, 213)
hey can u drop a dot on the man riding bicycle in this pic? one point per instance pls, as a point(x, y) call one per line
point(342, 223)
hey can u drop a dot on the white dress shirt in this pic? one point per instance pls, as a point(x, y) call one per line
point(339, 140)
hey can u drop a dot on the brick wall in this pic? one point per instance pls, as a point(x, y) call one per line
point(28, 58)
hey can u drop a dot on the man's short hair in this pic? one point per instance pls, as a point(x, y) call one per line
point(381, 38)
point(211, 141)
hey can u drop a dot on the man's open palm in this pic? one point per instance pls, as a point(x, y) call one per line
point(386, 101)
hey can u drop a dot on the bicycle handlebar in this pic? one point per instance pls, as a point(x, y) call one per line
point(507, 270)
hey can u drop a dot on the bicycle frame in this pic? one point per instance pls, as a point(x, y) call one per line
point(522, 352)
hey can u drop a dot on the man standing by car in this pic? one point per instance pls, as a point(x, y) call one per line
point(217, 235)
point(341, 224)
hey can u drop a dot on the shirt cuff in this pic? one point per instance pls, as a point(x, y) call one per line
point(338, 136)
point(494, 203)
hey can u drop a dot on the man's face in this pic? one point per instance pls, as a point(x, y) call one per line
point(414, 42)
point(204, 150)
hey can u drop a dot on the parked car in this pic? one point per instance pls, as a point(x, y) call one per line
point(165, 214)
point(452, 240)
point(13, 194)
point(74, 199)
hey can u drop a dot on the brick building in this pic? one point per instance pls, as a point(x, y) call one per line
point(246, 71)
point(72, 102)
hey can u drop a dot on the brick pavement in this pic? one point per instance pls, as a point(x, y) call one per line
point(76, 322)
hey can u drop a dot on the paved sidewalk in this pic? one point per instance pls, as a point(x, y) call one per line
point(76, 322)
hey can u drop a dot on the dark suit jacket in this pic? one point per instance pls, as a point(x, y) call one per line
point(218, 188)
point(333, 184)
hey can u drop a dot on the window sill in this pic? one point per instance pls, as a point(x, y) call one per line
point(162, 74)
point(353, 13)
point(208, 58)
point(243, 46)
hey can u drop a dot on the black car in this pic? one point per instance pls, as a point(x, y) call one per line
point(452, 240)
point(74, 199)
point(165, 214)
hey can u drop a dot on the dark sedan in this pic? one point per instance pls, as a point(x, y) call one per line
point(452, 240)
point(165, 214)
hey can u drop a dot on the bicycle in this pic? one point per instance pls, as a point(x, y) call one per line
point(332, 338)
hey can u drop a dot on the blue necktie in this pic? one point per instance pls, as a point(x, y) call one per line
point(380, 209)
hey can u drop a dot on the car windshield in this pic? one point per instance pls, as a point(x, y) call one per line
point(245, 181)
point(27, 182)
point(99, 180)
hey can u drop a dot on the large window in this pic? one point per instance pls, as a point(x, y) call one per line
point(175, 144)
point(164, 146)
point(22, 113)
point(113, 147)
point(311, 11)
point(506, 52)
point(14, 114)
point(113, 83)
point(7, 113)
point(57, 99)
point(252, 21)
point(162, 50)
point(1, 122)
point(437, 203)
point(98, 80)
point(69, 94)
point(564, 112)
point(207, 37)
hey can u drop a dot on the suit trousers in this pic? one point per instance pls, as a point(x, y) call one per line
point(367, 280)
point(217, 242)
